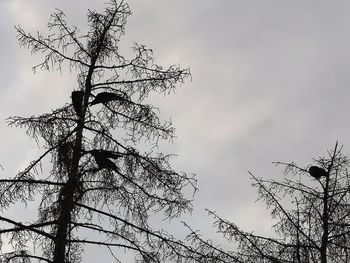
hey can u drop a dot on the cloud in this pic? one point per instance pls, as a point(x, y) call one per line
point(269, 83)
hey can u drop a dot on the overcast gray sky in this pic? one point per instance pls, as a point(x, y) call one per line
point(270, 82)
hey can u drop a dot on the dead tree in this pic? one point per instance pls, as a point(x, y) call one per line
point(98, 173)
point(312, 212)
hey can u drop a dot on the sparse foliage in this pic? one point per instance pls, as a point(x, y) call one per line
point(100, 181)
point(312, 215)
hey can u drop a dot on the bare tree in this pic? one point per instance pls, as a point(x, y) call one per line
point(312, 209)
point(100, 181)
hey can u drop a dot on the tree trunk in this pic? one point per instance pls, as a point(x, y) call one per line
point(67, 204)
point(66, 201)
point(67, 193)
point(324, 241)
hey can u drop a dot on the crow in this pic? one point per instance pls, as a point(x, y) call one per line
point(111, 154)
point(105, 97)
point(77, 99)
point(317, 172)
point(102, 159)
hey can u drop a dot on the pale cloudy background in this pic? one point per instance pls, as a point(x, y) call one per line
point(270, 82)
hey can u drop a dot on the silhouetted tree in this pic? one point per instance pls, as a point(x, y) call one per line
point(100, 181)
point(312, 216)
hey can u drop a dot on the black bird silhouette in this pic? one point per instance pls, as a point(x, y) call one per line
point(77, 99)
point(103, 161)
point(317, 172)
point(105, 97)
point(111, 155)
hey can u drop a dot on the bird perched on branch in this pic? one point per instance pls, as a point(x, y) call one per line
point(111, 154)
point(317, 172)
point(105, 97)
point(102, 158)
point(77, 99)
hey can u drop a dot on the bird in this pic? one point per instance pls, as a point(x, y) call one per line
point(77, 99)
point(102, 159)
point(105, 97)
point(317, 172)
point(111, 154)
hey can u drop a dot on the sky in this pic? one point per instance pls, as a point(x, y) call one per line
point(270, 82)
